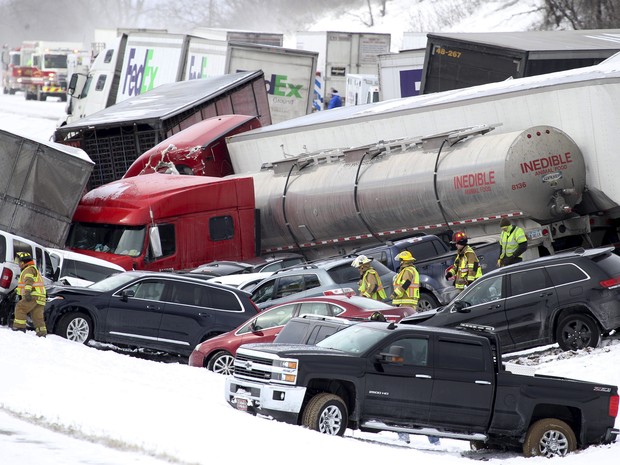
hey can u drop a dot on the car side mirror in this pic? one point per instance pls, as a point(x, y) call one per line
point(461, 307)
point(126, 293)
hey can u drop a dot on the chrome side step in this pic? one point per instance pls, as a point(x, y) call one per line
point(379, 426)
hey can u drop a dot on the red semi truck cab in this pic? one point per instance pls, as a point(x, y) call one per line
point(165, 222)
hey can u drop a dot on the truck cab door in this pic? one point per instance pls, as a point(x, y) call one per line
point(464, 384)
point(399, 382)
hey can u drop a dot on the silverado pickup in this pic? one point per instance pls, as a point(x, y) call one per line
point(433, 256)
point(420, 380)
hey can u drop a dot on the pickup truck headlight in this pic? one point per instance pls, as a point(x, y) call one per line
point(285, 370)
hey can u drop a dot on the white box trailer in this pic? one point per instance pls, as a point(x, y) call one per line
point(400, 74)
point(239, 35)
point(289, 76)
point(361, 88)
point(139, 62)
point(341, 53)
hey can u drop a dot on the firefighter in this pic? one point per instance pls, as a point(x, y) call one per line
point(370, 283)
point(466, 268)
point(31, 290)
point(406, 283)
point(513, 243)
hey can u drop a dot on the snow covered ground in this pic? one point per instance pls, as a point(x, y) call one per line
point(66, 404)
point(62, 403)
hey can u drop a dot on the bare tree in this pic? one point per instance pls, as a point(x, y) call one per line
point(582, 14)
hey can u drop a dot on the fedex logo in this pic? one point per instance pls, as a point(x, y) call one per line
point(197, 67)
point(141, 73)
point(277, 85)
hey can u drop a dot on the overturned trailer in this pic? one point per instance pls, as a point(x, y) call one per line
point(115, 137)
point(41, 184)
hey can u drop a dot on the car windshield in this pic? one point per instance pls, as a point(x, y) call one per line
point(113, 282)
point(356, 339)
point(119, 240)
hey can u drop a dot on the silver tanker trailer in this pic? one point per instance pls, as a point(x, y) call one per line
point(341, 199)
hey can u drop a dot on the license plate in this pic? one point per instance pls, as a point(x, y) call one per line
point(242, 404)
point(535, 234)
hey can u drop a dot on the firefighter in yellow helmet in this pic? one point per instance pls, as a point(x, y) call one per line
point(466, 268)
point(370, 283)
point(31, 290)
point(406, 283)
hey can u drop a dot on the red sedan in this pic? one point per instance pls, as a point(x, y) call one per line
point(218, 353)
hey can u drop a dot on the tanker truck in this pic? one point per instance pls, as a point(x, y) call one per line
point(333, 201)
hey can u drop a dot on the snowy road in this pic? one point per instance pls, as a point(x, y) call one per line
point(23, 441)
point(30, 118)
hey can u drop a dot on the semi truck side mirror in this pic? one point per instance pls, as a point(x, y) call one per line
point(155, 242)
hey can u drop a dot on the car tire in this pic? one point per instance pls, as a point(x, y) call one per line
point(76, 327)
point(577, 331)
point(427, 302)
point(326, 413)
point(222, 362)
point(549, 437)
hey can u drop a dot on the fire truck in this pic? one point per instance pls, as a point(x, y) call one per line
point(43, 68)
point(11, 59)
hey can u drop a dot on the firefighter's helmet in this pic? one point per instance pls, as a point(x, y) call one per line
point(360, 260)
point(459, 238)
point(23, 257)
point(405, 256)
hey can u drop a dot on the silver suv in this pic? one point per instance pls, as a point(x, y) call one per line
point(324, 277)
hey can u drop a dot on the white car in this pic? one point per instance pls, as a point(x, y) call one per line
point(76, 269)
point(243, 281)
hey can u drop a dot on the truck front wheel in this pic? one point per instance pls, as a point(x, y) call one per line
point(326, 413)
point(549, 437)
point(427, 302)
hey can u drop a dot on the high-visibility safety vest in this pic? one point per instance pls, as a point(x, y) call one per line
point(510, 240)
point(466, 268)
point(410, 296)
point(365, 285)
point(37, 288)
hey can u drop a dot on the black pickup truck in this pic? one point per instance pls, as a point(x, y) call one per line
point(433, 256)
point(420, 380)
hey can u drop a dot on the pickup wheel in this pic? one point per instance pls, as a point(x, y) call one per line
point(222, 362)
point(326, 413)
point(577, 331)
point(76, 327)
point(549, 437)
point(427, 302)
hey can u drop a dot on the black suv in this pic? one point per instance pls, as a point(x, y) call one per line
point(572, 298)
point(159, 311)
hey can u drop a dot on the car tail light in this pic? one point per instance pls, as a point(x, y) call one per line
point(613, 406)
point(346, 291)
point(611, 283)
point(7, 278)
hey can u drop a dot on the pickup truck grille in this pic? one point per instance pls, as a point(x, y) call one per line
point(253, 367)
